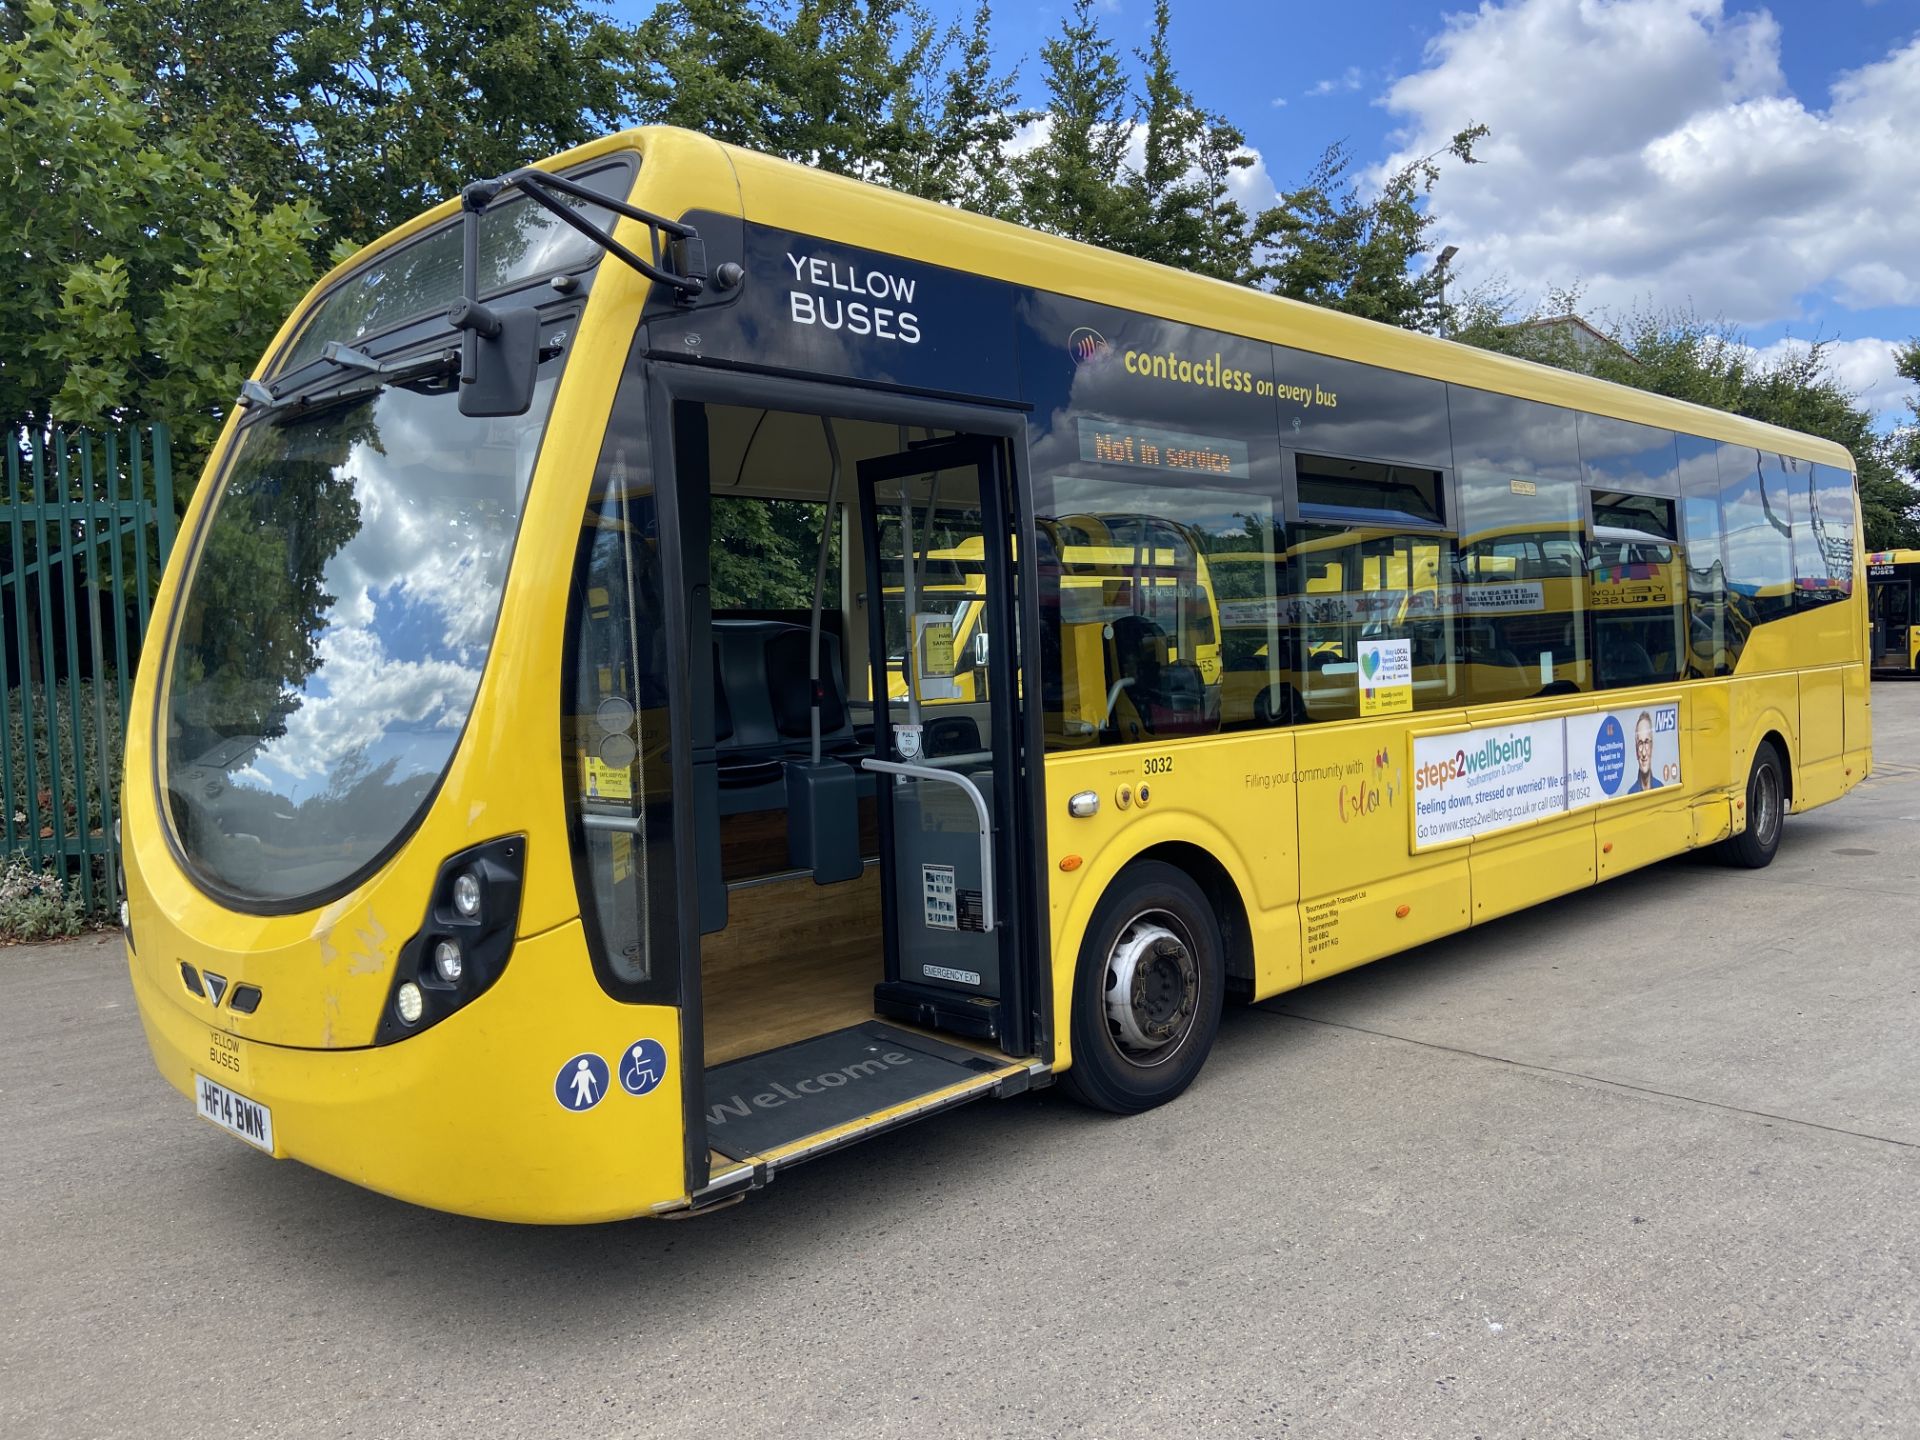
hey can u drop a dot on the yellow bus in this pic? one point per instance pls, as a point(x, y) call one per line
point(476, 855)
point(1891, 580)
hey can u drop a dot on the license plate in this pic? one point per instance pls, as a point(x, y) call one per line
point(235, 1114)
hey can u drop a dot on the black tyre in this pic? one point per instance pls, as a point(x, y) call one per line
point(1147, 991)
point(1754, 847)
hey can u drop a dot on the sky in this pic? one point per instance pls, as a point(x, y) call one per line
point(1759, 164)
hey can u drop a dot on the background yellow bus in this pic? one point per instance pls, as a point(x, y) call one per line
point(477, 855)
point(1892, 577)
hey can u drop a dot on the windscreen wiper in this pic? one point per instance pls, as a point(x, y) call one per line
point(347, 362)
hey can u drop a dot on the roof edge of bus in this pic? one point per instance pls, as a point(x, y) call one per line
point(1009, 252)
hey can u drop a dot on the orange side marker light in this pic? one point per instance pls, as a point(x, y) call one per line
point(1403, 912)
point(1069, 863)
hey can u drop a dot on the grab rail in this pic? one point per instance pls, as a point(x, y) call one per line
point(988, 918)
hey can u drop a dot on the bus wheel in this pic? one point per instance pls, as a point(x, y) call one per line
point(1147, 991)
point(1754, 847)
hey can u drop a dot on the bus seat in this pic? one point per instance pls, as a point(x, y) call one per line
point(1170, 696)
point(762, 709)
point(787, 655)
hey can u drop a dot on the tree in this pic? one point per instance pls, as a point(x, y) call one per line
point(1186, 216)
point(145, 284)
point(842, 85)
point(1906, 439)
point(1075, 181)
point(220, 69)
point(395, 106)
point(976, 122)
point(1329, 244)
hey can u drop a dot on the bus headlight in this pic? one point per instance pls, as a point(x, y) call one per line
point(446, 960)
point(464, 941)
point(411, 1003)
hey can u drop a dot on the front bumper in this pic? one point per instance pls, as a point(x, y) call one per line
point(464, 1116)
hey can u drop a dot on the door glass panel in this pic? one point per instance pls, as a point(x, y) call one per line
point(933, 607)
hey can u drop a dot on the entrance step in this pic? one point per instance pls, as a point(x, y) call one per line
point(767, 1102)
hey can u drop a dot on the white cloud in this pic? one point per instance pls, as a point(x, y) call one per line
point(1030, 136)
point(1651, 150)
point(1348, 80)
point(1865, 367)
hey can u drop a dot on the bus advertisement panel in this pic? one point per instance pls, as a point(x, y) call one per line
point(1475, 782)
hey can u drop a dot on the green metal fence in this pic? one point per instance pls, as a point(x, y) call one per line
point(85, 526)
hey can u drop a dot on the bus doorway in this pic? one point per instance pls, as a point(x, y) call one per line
point(1892, 614)
point(858, 820)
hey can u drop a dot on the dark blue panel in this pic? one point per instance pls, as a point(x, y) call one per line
point(813, 307)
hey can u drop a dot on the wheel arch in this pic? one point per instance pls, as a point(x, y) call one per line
point(1772, 735)
point(1223, 894)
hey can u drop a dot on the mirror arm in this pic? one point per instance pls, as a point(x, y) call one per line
point(684, 245)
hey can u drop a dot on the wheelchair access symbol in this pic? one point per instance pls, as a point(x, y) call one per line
point(643, 1065)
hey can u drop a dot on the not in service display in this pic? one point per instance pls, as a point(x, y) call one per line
point(1477, 782)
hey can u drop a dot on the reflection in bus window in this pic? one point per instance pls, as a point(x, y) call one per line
point(1759, 544)
point(1714, 641)
point(1523, 547)
point(1374, 585)
point(1635, 570)
point(1360, 589)
point(1138, 641)
point(1823, 540)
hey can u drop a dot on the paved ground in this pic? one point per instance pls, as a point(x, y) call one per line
point(1645, 1162)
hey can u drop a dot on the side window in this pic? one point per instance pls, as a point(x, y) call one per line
point(1522, 607)
point(1712, 643)
point(1823, 562)
point(1637, 574)
point(1759, 534)
point(1620, 455)
point(1372, 571)
point(1159, 530)
point(1164, 607)
point(614, 747)
point(1636, 566)
point(1341, 407)
point(1809, 558)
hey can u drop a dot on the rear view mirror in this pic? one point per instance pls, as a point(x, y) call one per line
point(499, 358)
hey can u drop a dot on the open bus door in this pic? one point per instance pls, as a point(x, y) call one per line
point(947, 740)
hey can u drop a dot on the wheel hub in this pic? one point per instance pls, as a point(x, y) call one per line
point(1152, 989)
point(1767, 803)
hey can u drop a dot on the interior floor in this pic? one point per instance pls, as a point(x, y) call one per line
point(796, 959)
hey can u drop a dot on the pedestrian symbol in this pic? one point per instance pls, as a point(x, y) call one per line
point(643, 1065)
point(581, 1083)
